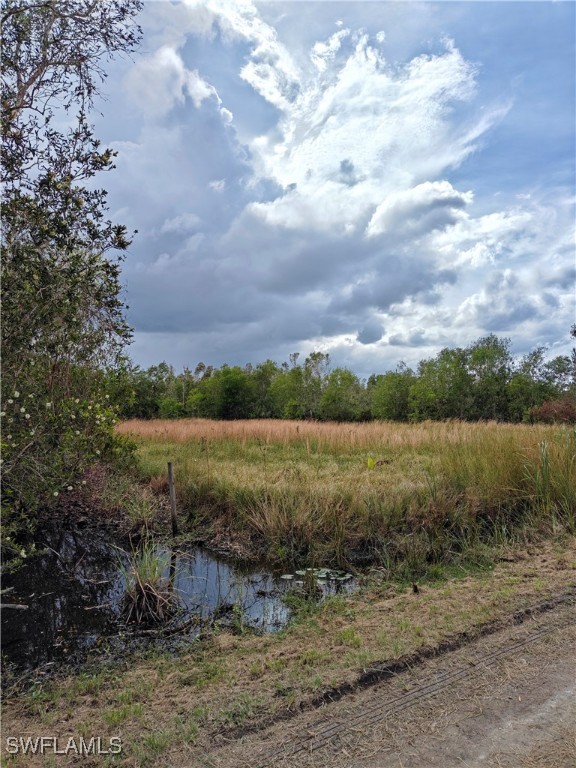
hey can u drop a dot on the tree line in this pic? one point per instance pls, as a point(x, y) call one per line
point(483, 381)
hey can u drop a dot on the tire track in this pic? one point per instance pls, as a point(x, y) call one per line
point(435, 684)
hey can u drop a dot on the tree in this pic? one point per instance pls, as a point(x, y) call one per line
point(490, 366)
point(286, 393)
point(343, 398)
point(314, 377)
point(236, 393)
point(442, 388)
point(63, 317)
point(170, 408)
point(390, 394)
point(263, 375)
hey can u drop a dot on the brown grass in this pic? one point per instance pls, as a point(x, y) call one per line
point(336, 493)
point(376, 434)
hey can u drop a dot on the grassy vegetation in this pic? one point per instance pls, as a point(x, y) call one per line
point(407, 496)
point(175, 709)
point(149, 597)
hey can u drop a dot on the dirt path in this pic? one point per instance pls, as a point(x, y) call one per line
point(508, 699)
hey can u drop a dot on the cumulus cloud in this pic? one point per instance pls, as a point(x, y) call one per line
point(371, 332)
point(270, 69)
point(367, 122)
point(323, 53)
point(424, 208)
point(347, 221)
point(501, 305)
point(160, 81)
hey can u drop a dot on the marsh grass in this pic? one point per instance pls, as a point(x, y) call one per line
point(149, 597)
point(121, 493)
point(406, 496)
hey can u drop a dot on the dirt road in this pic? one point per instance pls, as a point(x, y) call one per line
point(507, 699)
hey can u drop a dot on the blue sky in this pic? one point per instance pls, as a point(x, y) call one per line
point(376, 180)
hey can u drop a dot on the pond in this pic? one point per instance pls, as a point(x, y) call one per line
point(74, 593)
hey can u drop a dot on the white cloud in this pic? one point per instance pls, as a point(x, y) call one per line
point(160, 81)
point(424, 208)
point(337, 218)
point(390, 125)
point(323, 53)
point(182, 223)
point(270, 69)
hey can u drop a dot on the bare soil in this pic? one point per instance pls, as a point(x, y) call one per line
point(508, 699)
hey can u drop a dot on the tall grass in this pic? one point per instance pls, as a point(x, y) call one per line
point(334, 494)
point(149, 597)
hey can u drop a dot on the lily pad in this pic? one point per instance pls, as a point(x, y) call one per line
point(339, 575)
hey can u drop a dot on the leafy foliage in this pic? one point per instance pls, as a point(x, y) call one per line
point(480, 382)
point(62, 315)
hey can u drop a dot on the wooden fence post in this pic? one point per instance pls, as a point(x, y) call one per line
point(172, 488)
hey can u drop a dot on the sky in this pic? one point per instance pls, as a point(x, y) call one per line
point(373, 180)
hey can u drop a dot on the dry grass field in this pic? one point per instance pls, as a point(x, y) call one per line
point(407, 496)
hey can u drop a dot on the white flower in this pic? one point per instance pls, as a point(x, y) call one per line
point(77, 400)
point(72, 416)
point(55, 493)
point(16, 394)
point(30, 395)
point(83, 482)
point(32, 431)
point(22, 553)
point(10, 401)
point(77, 431)
point(48, 405)
point(22, 410)
point(26, 415)
point(8, 437)
point(69, 487)
point(2, 413)
point(97, 453)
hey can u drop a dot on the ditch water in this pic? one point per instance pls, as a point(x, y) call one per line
point(74, 593)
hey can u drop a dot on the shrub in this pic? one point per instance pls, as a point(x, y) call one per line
point(562, 411)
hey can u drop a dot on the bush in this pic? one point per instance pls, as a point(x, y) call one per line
point(561, 411)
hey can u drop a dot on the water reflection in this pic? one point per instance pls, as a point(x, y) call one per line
point(209, 587)
point(62, 587)
point(74, 593)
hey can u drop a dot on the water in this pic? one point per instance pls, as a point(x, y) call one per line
point(74, 593)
